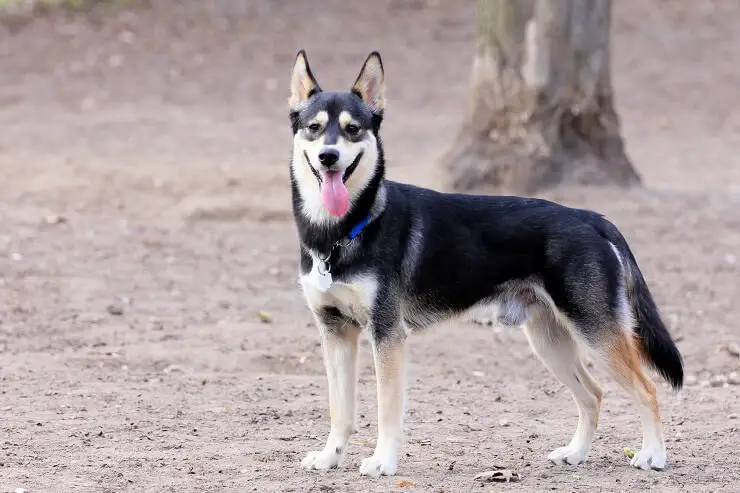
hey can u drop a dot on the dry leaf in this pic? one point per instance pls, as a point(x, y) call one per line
point(503, 475)
point(404, 483)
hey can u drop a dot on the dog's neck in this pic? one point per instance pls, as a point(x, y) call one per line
point(320, 236)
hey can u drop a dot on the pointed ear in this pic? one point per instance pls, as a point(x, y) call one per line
point(370, 84)
point(303, 85)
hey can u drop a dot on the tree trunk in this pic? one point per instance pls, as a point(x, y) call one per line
point(542, 110)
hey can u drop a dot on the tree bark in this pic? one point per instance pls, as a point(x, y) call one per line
point(541, 110)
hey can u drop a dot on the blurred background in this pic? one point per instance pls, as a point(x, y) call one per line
point(152, 332)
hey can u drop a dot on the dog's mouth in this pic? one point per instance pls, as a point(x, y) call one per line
point(334, 194)
point(347, 173)
point(352, 167)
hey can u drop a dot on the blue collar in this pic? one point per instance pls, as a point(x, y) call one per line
point(354, 233)
point(359, 227)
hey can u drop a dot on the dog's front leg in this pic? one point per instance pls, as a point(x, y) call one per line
point(339, 341)
point(390, 370)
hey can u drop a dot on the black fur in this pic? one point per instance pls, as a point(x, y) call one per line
point(473, 247)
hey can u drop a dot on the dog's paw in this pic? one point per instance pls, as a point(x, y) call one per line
point(378, 466)
point(570, 455)
point(649, 458)
point(321, 460)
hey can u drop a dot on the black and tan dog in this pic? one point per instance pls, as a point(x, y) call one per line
point(390, 258)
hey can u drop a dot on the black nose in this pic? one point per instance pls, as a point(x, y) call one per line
point(328, 157)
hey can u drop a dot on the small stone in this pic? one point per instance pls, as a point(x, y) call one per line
point(691, 380)
point(733, 416)
point(733, 378)
point(264, 317)
point(504, 423)
point(733, 348)
point(717, 381)
point(54, 219)
point(477, 373)
point(115, 309)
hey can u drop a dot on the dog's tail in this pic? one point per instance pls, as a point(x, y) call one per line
point(655, 343)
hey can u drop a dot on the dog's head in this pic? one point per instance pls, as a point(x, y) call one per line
point(336, 148)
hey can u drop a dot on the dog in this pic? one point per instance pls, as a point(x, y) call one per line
point(390, 258)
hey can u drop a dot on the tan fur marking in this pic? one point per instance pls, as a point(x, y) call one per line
point(321, 118)
point(345, 119)
point(624, 359)
point(390, 371)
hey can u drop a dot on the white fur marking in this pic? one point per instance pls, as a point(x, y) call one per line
point(352, 297)
point(559, 352)
point(625, 315)
point(340, 359)
point(321, 279)
point(313, 209)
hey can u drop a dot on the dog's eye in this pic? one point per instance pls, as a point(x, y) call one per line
point(352, 129)
point(314, 127)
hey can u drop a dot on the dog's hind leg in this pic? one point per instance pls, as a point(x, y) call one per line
point(557, 349)
point(623, 361)
point(339, 341)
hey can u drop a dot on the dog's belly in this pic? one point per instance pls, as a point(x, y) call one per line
point(354, 298)
point(509, 307)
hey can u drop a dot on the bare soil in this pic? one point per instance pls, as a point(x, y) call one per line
point(144, 204)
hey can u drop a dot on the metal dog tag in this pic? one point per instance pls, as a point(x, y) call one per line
point(319, 277)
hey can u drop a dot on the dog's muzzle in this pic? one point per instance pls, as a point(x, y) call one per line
point(347, 172)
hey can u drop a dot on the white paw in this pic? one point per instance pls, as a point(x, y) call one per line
point(570, 454)
point(649, 458)
point(376, 466)
point(321, 460)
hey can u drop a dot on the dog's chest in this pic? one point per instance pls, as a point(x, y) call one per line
point(352, 297)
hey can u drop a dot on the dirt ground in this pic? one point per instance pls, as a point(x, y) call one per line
point(144, 204)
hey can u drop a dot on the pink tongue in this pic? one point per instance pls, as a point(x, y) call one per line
point(333, 193)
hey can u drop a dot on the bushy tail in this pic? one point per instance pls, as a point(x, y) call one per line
point(657, 347)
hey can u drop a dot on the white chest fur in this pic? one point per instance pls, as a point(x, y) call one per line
point(353, 297)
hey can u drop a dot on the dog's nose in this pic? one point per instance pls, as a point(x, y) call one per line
point(328, 157)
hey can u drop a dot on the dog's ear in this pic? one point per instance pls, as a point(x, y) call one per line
point(303, 85)
point(370, 84)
